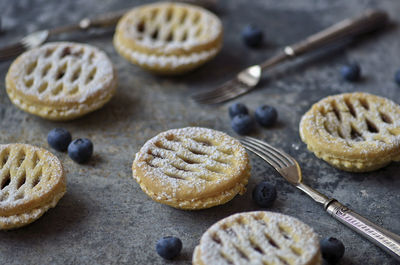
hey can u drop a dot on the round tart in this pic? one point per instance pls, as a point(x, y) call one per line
point(32, 180)
point(168, 38)
point(258, 238)
point(61, 80)
point(354, 131)
point(192, 168)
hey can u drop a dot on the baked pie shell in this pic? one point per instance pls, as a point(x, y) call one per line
point(22, 212)
point(126, 44)
point(58, 109)
point(188, 195)
point(309, 235)
point(353, 156)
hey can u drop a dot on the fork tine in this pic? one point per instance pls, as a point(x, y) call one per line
point(266, 153)
point(213, 92)
point(12, 48)
point(220, 91)
point(11, 51)
point(233, 93)
point(284, 157)
point(263, 155)
point(228, 92)
point(5, 57)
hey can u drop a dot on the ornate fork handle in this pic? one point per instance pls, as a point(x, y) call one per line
point(369, 21)
point(105, 20)
point(387, 240)
point(348, 28)
point(111, 19)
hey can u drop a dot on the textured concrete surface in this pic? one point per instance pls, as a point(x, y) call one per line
point(106, 219)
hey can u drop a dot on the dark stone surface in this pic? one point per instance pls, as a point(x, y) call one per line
point(106, 219)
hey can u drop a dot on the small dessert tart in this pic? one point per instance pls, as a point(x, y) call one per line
point(168, 38)
point(192, 168)
point(32, 180)
point(61, 80)
point(354, 131)
point(258, 238)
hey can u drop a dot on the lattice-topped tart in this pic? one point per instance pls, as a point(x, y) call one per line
point(192, 168)
point(168, 38)
point(32, 180)
point(258, 238)
point(354, 131)
point(61, 80)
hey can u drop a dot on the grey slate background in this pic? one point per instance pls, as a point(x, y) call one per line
point(106, 219)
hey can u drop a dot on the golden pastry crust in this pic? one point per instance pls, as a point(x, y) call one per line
point(168, 38)
point(61, 80)
point(192, 168)
point(353, 131)
point(258, 238)
point(31, 181)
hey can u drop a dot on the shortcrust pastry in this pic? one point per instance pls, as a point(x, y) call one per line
point(61, 80)
point(32, 180)
point(192, 168)
point(353, 131)
point(258, 238)
point(168, 38)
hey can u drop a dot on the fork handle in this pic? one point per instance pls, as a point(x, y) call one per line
point(105, 20)
point(367, 22)
point(383, 238)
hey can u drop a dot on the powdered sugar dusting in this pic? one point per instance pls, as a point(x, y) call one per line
point(27, 174)
point(356, 120)
point(172, 61)
point(18, 220)
point(191, 157)
point(62, 71)
point(258, 238)
point(170, 26)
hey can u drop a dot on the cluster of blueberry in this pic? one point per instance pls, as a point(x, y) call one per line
point(79, 150)
point(243, 123)
point(264, 195)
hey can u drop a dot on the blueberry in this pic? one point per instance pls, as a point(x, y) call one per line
point(332, 249)
point(397, 77)
point(237, 108)
point(252, 36)
point(80, 150)
point(242, 124)
point(59, 139)
point(266, 115)
point(351, 72)
point(169, 247)
point(264, 194)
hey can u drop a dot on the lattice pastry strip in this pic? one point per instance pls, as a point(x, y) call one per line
point(168, 38)
point(31, 181)
point(354, 131)
point(61, 80)
point(27, 172)
point(192, 168)
point(185, 158)
point(263, 238)
point(165, 26)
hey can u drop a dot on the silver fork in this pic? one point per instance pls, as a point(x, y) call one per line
point(288, 167)
point(248, 79)
point(36, 39)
